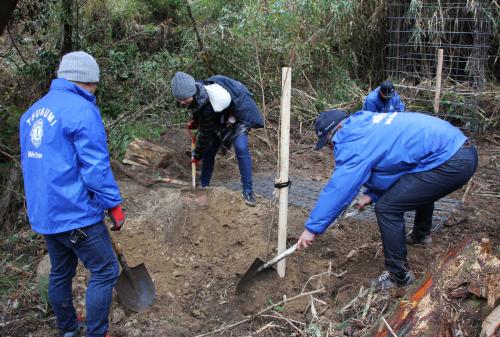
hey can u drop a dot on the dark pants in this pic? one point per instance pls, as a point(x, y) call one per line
point(97, 255)
point(418, 191)
point(242, 151)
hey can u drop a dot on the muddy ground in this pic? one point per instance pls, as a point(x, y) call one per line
point(196, 255)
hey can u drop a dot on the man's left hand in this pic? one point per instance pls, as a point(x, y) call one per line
point(306, 240)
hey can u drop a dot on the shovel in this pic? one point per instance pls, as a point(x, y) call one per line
point(193, 195)
point(135, 288)
point(258, 266)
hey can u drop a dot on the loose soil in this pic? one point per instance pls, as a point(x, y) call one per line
point(197, 255)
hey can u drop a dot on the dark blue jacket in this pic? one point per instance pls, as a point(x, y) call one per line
point(211, 123)
point(67, 175)
point(375, 150)
point(374, 103)
point(243, 106)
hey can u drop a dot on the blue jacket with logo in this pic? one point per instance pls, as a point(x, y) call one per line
point(67, 175)
point(374, 150)
point(374, 103)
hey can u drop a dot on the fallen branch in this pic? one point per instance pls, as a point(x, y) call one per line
point(389, 327)
point(262, 311)
point(171, 181)
point(362, 293)
point(469, 184)
point(368, 303)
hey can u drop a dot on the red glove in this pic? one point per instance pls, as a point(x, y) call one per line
point(195, 161)
point(117, 217)
point(192, 124)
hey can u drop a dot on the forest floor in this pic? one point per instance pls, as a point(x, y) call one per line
point(196, 255)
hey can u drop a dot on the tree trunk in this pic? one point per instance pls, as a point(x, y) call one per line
point(9, 198)
point(6, 9)
point(67, 44)
point(469, 268)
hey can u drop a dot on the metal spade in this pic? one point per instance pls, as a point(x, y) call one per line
point(258, 266)
point(135, 288)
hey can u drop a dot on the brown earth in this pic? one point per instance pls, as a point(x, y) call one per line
point(197, 255)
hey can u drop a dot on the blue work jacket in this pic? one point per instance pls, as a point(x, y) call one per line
point(67, 175)
point(374, 103)
point(374, 150)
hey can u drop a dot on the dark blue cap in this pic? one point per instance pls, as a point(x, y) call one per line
point(325, 123)
point(387, 89)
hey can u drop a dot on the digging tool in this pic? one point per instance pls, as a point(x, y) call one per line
point(194, 195)
point(135, 288)
point(259, 266)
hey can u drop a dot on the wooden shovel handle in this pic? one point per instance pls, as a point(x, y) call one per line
point(193, 165)
point(118, 252)
point(278, 258)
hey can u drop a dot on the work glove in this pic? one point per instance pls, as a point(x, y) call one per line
point(192, 124)
point(117, 217)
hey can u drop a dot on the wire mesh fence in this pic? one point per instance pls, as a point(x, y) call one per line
point(416, 30)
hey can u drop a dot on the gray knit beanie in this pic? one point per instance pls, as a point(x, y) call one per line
point(183, 86)
point(79, 66)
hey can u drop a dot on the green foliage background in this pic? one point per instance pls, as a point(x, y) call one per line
point(333, 47)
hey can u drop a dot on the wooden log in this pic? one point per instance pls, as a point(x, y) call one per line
point(467, 268)
point(144, 153)
point(491, 325)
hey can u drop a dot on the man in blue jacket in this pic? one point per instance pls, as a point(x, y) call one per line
point(406, 161)
point(384, 99)
point(224, 112)
point(68, 185)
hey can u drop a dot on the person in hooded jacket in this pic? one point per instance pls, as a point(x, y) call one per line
point(223, 110)
point(384, 99)
point(68, 185)
point(406, 161)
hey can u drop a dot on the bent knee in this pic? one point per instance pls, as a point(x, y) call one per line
point(381, 206)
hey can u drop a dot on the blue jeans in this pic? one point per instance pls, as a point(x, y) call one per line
point(418, 191)
point(97, 255)
point(242, 151)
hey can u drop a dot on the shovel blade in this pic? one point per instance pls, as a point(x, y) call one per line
point(249, 276)
point(135, 288)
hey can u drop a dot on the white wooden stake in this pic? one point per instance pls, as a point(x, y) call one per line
point(439, 72)
point(286, 85)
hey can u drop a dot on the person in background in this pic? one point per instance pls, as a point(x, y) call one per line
point(406, 161)
point(384, 99)
point(69, 184)
point(224, 111)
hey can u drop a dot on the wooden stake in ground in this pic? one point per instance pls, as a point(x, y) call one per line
point(439, 72)
point(286, 85)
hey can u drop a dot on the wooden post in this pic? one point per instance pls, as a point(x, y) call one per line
point(286, 87)
point(439, 72)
